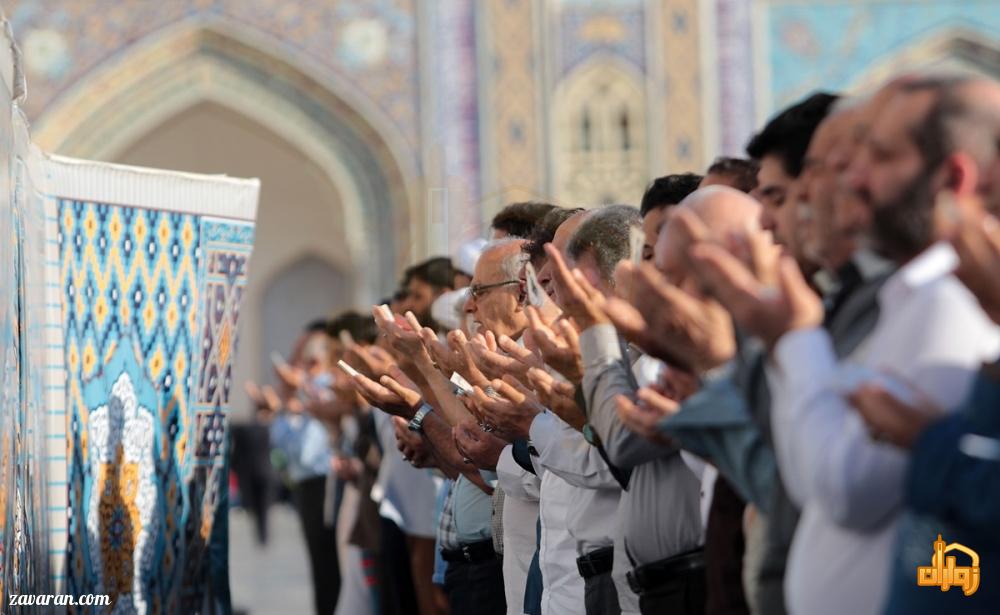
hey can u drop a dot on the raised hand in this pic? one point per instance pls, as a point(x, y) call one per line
point(511, 410)
point(559, 347)
point(558, 396)
point(644, 416)
point(411, 444)
point(765, 311)
point(372, 361)
point(494, 363)
point(977, 241)
point(477, 446)
point(453, 357)
point(388, 395)
point(888, 418)
point(669, 323)
point(578, 298)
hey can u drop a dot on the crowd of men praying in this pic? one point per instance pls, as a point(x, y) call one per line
point(769, 387)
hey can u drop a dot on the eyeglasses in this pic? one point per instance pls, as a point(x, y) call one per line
point(478, 290)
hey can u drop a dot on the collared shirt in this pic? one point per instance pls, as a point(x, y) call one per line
point(305, 444)
point(579, 506)
point(447, 535)
point(471, 511)
point(931, 332)
point(520, 517)
point(953, 489)
point(660, 512)
point(405, 494)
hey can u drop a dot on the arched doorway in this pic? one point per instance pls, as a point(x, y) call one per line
point(300, 212)
point(214, 100)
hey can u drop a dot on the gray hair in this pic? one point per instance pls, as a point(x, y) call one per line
point(511, 264)
point(962, 118)
point(605, 234)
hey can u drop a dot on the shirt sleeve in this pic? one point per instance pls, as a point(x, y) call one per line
point(715, 423)
point(858, 482)
point(828, 456)
point(564, 451)
point(954, 471)
point(515, 481)
point(605, 376)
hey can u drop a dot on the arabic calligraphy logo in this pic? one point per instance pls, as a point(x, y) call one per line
point(945, 574)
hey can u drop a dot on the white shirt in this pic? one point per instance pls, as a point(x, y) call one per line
point(406, 495)
point(579, 507)
point(520, 516)
point(563, 587)
point(932, 332)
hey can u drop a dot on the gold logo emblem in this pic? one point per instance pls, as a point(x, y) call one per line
point(945, 574)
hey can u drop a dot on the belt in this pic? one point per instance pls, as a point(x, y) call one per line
point(471, 552)
point(651, 576)
point(598, 561)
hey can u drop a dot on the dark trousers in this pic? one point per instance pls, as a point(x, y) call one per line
point(321, 542)
point(600, 596)
point(724, 549)
point(683, 594)
point(396, 579)
point(475, 588)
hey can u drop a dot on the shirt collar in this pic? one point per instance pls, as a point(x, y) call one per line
point(932, 264)
point(870, 265)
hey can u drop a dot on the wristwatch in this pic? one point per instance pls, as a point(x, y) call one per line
point(417, 422)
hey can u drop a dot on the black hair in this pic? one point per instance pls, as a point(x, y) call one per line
point(668, 190)
point(742, 171)
point(788, 133)
point(518, 219)
point(437, 271)
point(361, 327)
point(316, 326)
point(545, 230)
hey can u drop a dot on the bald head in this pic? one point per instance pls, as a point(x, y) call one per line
point(722, 209)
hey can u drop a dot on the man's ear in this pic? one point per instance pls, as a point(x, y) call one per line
point(522, 294)
point(961, 174)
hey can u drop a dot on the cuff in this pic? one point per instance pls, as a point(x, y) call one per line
point(599, 344)
point(543, 430)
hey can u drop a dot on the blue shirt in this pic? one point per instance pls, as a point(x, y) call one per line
point(305, 443)
point(953, 489)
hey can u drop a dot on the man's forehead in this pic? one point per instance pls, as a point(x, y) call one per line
point(831, 131)
point(901, 112)
point(561, 237)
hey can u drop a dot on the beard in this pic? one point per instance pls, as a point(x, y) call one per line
point(903, 227)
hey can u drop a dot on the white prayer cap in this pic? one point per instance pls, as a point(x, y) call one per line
point(447, 309)
point(467, 255)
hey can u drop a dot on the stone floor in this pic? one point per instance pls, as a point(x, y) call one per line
point(270, 579)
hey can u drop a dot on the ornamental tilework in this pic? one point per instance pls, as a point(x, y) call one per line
point(609, 29)
point(65, 40)
point(515, 99)
point(681, 97)
point(151, 304)
point(834, 44)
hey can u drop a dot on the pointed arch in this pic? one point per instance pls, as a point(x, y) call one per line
point(599, 133)
point(191, 62)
